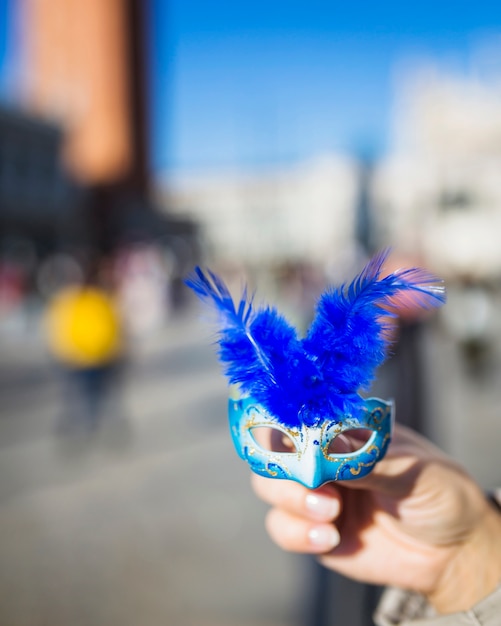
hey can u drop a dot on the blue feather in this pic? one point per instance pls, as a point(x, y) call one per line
point(303, 380)
point(235, 323)
point(255, 345)
point(350, 335)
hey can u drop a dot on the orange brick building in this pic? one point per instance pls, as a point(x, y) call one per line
point(83, 63)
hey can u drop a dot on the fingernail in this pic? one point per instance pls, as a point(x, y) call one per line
point(322, 506)
point(325, 537)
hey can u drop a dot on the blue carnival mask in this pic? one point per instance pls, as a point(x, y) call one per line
point(304, 391)
point(306, 453)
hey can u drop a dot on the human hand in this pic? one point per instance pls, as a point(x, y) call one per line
point(418, 521)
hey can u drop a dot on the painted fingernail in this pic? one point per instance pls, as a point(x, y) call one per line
point(322, 506)
point(325, 537)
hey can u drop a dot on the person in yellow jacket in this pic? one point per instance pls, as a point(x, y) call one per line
point(84, 333)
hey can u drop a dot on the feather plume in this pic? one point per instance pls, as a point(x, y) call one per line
point(255, 345)
point(303, 380)
point(350, 334)
point(236, 322)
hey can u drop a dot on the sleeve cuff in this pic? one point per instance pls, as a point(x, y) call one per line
point(401, 608)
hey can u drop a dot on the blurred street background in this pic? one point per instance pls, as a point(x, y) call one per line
point(281, 144)
point(149, 520)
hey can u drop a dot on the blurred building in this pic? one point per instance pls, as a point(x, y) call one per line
point(438, 199)
point(81, 124)
point(299, 213)
point(79, 59)
point(38, 200)
point(41, 210)
point(438, 194)
point(84, 69)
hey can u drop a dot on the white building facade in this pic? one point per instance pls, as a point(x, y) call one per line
point(302, 212)
point(438, 194)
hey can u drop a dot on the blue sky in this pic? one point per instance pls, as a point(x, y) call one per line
point(4, 20)
point(237, 83)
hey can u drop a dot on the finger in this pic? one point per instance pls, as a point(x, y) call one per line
point(296, 534)
point(323, 504)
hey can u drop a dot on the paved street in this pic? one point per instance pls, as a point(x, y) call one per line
point(151, 521)
point(148, 521)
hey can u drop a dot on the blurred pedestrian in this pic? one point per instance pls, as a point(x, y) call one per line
point(84, 333)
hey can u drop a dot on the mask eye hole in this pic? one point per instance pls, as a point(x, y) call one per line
point(273, 439)
point(349, 441)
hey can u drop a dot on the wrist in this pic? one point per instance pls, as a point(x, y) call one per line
point(474, 571)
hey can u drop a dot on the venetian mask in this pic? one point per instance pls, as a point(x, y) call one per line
point(298, 413)
point(311, 455)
